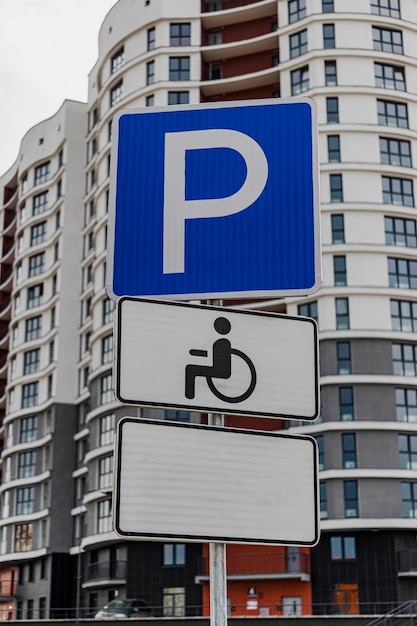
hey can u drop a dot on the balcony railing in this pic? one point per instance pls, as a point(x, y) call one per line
point(106, 570)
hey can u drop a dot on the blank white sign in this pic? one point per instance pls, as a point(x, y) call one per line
point(154, 340)
point(201, 483)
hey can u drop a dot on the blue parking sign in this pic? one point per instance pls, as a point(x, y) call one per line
point(214, 200)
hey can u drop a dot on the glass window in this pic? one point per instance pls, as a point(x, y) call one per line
point(105, 472)
point(406, 404)
point(173, 554)
point(397, 191)
point(338, 228)
point(150, 100)
point(332, 110)
point(298, 43)
point(327, 6)
point(404, 315)
point(395, 151)
point(179, 68)
point(400, 232)
point(350, 492)
point(333, 148)
point(389, 8)
point(329, 39)
point(178, 97)
point(180, 34)
point(389, 76)
point(392, 113)
point(108, 311)
point(346, 407)
point(151, 38)
point(30, 393)
point(404, 359)
point(342, 548)
point(349, 450)
point(177, 416)
point(339, 270)
point(330, 73)
point(402, 273)
point(36, 264)
point(323, 500)
point(150, 72)
point(344, 365)
point(39, 203)
point(300, 80)
point(409, 499)
point(42, 172)
point(309, 309)
point(173, 601)
point(407, 447)
point(37, 233)
point(296, 10)
point(107, 349)
point(34, 296)
point(387, 40)
point(117, 60)
point(31, 361)
point(106, 389)
point(28, 428)
point(336, 187)
point(23, 542)
point(116, 93)
point(342, 313)
point(26, 464)
point(320, 447)
point(107, 424)
point(33, 328)
point(25, 500)
point(104, 516)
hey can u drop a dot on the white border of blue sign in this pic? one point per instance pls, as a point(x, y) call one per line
point(251, 293)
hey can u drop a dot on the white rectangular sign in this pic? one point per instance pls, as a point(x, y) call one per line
point(201, 483)
point(212, 359)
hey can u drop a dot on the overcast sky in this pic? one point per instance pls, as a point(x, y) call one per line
point(47, 48)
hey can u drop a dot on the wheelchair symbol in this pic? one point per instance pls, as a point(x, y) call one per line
point(221, 368)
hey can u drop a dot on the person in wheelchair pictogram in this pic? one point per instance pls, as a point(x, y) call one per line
point(222, 366)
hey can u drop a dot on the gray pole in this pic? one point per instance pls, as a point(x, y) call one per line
point(217, 551)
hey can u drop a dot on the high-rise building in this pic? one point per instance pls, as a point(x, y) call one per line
point(357, 60)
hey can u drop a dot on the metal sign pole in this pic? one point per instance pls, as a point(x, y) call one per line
point(217, 551)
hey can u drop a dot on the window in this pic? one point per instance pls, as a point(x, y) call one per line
point(105, 472)
point(178, 97)
point(298, 44)
point(387, 40)
point(404, 359)
point(404, 315)
point(339, 270)
point(37, 233)
point(215, 71)
point(400, 232)
point(309, 309)
point(173, 554)
point(34, 296)
point(108, 311)
point(179, 68)
point(346, 408)
point(25, 500)
point(106, 429)
point(389, 8)
point(26, 464)
point(296, 10)
point(332, 110)
point(33, 328)
point(342, 313)
point(330, 73)
point(320, 447)
point(323, 500)
point(350, 493)
point(150, 101)
point(327, 6)
point(395, 151)
point(406, 404)
point(42, 172)
point(173, 601)
point(116, 93)
point(104, 519)
point(150, 72)
point(349, 450)
point(42, 608)
point(299, 80)
point(31, 361)
point(389, 76)
point(117, 60)
point(409, 499)
point(23, 542)
point(342, 548)
point(216, 38)
point(397, 191)
point(106, 389)
point(338, 228)
point(177, 416)
point(336, 187)
point(329, 40)
point(180, 34)
point(407, 447)
point(151, 38)
point(333, 148)
point(392, 113)
point(30, 393)
point(36, 264)
point(40, 203)
point(28, 429)
point(107, 349)
point(344, 365)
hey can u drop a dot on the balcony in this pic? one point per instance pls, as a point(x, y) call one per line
point(236, 11)
point(407, 563)
point(105, 571)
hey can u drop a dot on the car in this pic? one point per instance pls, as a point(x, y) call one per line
point(123, 608)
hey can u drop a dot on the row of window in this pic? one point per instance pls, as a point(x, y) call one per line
point(395, 190)
point(297, 8)
point(398, 231)
point(392, 151)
